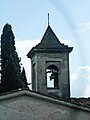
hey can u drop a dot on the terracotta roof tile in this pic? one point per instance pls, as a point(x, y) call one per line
point(81, 101)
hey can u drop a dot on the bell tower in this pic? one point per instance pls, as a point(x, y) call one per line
point(50, 66)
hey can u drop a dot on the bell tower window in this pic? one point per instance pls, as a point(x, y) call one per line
point(52, 77)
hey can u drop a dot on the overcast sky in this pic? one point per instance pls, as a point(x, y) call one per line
point(69, 19)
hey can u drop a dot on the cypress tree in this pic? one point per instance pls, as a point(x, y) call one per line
point(10, 62)
point(12, 80)
point(23, 75)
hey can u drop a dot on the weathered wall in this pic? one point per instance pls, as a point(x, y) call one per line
point(40, 62)
point(26, 105)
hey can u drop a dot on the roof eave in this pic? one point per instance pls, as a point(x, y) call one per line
point(48, 50)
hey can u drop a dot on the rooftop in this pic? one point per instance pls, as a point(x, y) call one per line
point(72, 102)
point(50, 43)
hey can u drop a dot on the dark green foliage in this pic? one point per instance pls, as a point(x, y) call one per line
point(23, 76)
point(8, 46)
point(10, 62)
point(12, 80)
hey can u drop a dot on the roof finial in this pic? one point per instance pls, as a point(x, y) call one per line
point(48, 19)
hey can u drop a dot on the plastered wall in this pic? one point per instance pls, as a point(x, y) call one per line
point(38, 107)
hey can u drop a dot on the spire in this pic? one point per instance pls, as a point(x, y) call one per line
point(48, 19)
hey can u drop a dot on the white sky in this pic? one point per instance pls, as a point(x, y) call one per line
point(69, 19)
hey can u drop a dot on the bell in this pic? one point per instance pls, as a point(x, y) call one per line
point(52, 76)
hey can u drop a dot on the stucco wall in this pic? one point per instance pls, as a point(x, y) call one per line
point(40, 63)
point(26, 105)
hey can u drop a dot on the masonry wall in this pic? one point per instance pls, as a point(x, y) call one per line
point(40, 62)
point(32, 106)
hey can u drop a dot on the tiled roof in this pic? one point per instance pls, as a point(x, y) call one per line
point(50, 40)
point(81, 101)
point(85, 102)
point(50, 43)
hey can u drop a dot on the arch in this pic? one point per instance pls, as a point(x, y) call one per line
point(52, 76)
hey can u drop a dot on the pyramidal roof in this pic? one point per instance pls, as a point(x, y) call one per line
point(50, 43)
point(49, 40)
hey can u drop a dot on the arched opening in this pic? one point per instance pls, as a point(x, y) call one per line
point(52, 77)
